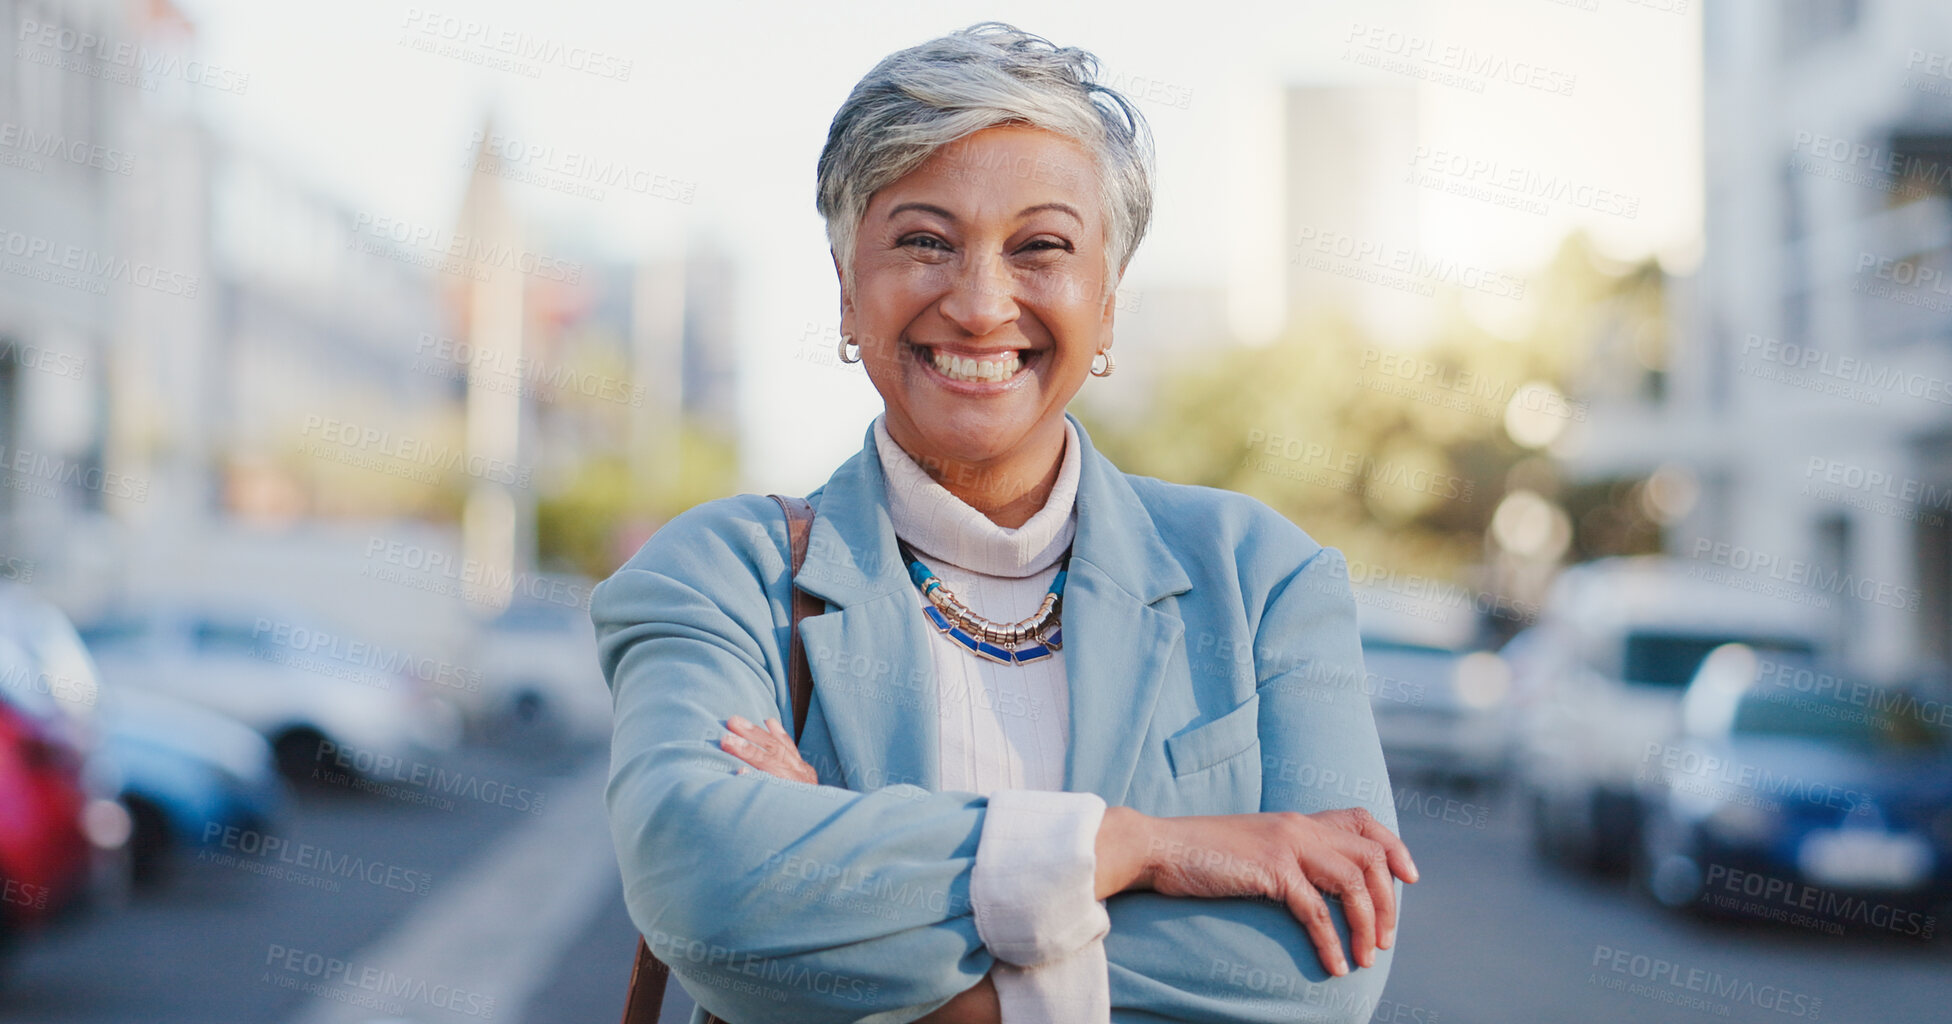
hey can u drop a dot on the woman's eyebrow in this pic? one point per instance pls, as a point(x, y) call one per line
point(951, 218)
point(1059, 207)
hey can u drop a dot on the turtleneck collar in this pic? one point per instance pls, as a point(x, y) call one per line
point(938, 523)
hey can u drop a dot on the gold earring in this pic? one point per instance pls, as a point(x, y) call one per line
point(1109, 365)
point(846, 341)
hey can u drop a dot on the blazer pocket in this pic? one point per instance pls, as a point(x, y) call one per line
point(1210, 743)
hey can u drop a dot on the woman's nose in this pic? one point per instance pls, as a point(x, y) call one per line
point(982, 298)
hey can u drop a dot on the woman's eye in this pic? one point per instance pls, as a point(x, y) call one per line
point(929, 242)
point(1047, 245)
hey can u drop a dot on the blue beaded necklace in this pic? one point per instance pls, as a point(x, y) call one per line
point(1004, 644)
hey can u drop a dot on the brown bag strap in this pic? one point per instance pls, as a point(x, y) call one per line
point(649, 974)
point(799, 676)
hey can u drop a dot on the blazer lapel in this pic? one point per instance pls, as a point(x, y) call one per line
point(874, 682)
point(873, 670)
point(1118, 644)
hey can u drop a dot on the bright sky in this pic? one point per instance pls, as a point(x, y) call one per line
point(737, 98)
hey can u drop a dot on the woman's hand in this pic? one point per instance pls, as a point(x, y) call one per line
point(768, 749)
point(1294, 858)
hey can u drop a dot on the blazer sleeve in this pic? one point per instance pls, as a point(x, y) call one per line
point(769, 899)
point(1248, 960)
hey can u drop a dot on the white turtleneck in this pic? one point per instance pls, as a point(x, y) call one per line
point(1003, 733)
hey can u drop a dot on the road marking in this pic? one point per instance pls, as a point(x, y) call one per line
point(496, 931)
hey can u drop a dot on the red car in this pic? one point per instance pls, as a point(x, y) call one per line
point(45, 853)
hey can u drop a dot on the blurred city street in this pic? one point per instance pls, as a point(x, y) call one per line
point(344, 350)
point(1490, 936)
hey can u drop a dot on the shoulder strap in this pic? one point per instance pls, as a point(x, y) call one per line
point(648, 974)
point(799, 676)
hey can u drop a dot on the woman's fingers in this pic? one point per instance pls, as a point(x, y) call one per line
point(1307, 906)
point(1382, 889)
point(1364, 824)
point(1352, 888)
point(766, 748)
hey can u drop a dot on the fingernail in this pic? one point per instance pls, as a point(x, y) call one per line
point(1389, 938)
point(733, 739)
point(1341, 966)
point(738, 722)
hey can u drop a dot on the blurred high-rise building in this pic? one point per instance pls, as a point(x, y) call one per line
point(1801, 420)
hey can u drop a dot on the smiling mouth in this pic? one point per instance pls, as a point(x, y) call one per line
point(988, 368)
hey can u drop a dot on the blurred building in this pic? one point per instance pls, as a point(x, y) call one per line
point(1351, 212)
point(1803, 413)
point(105, 303)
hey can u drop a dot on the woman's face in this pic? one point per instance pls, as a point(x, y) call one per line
point(992, 252)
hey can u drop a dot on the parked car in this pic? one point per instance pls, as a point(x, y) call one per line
point(1442, 712)
point(187, 775)
point(1798, 792)
point(1600, 677)
point(182, 773)
point(539, 676)
point(325, 702)
point(46, 806)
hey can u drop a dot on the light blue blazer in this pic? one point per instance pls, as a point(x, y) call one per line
point(1213, 668)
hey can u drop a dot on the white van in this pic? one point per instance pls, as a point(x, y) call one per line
point(1599, 681)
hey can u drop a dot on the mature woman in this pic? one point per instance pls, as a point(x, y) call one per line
point(1154, 792)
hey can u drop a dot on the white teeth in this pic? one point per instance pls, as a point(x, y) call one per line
point(957, 367)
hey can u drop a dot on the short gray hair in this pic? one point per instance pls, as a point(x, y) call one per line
point(925, 97)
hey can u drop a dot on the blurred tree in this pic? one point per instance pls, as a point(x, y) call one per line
point(600, 510)
point(1401, 456)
